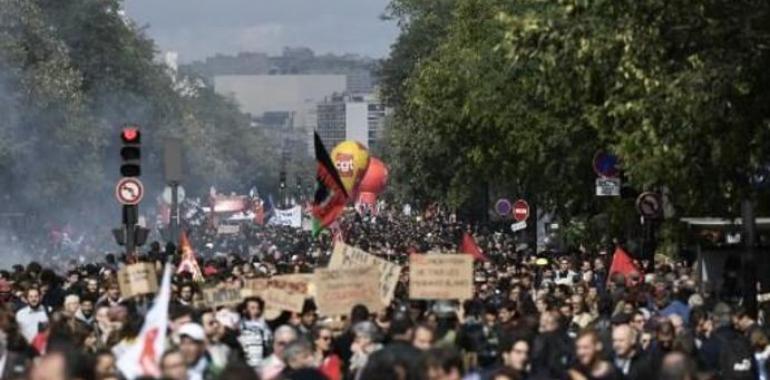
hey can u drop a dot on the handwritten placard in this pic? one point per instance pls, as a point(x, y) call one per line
point(441, 277)
point(228, 229)
point(286, 292)
point(345, 256)
point(137, 279)
point(254, 287)
point(222, 296)
point(338, 290)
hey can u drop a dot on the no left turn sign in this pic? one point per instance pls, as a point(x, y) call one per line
point(650, 205)
point(129, 191)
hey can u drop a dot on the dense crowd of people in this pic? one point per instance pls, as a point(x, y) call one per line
point(554, 316)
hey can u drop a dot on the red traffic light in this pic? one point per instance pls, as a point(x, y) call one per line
point(130, 135)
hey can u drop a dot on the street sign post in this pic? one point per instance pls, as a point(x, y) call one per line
point(520, 210)
point(606, 165)
point(518, 226)
point(129, 191)
point(650, 205)
point(608, 187)
point(168, 194)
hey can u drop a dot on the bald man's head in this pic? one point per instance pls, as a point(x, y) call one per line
point(623, 341)
point(677, 365)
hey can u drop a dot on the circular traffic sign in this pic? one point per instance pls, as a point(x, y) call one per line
point(129, 191)
point(606, 165)
point(503, 207)
point(520, 210)
point(649, 205)
point(180, 194)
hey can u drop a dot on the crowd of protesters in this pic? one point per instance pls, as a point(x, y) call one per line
point(532, 317)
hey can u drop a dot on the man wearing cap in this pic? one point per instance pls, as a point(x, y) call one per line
point(192, 344)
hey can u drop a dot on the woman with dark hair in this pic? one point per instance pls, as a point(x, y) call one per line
point(256, 337)
point(328, 362)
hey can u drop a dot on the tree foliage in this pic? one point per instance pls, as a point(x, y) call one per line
point(521, 94)
point(71, 75)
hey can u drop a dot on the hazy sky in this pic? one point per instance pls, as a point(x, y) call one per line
point(200, 28)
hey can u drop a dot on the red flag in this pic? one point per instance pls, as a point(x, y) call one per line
point(623, 264)
point(330, 195)
point(259, 213)
point(469, 246)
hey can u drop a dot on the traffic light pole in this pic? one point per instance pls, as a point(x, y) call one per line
point(173, 225)
point(129, 192)
point(749, 265)
point(130, 218)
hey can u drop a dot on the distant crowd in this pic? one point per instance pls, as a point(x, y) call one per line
point(554, 316)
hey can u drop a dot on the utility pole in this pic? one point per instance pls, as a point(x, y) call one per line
point(172, 165)
point(129, 192)
point(749, 267)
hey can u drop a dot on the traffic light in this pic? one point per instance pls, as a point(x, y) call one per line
point(130, 152)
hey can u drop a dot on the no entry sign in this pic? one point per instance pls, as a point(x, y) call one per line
point(520, 210)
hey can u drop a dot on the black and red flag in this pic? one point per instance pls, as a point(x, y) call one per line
point(330, 195)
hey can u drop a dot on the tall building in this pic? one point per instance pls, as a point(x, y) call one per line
point(346, 116)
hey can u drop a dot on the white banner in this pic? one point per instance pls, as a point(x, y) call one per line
point(291, 217)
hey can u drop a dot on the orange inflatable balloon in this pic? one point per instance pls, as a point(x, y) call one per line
point(375, 178)
point(351, 159)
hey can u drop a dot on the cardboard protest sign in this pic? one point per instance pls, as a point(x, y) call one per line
point(338, 290)
point(254, 288)
point(137, 279)
point(228, 229)
point(441, 277)
point(286, 292)
point(345, 256)
point(222, 296)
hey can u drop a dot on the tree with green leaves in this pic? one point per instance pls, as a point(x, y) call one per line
point(71, 75)
point(521, 95)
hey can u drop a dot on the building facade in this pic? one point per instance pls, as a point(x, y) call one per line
point(358, 117)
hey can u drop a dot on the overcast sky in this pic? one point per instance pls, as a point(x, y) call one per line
point(200, 28)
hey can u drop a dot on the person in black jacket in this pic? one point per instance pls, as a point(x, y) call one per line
point(552, 349)
point(727, 351)
point(400, 346)
point(627, 357)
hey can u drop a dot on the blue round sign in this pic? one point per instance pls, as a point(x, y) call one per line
point(606, 165)
point(503, 207)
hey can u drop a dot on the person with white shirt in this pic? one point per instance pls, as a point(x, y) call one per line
point(31, 316)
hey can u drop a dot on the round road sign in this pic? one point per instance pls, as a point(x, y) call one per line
point(606, 165)
point(520, 210)
point(503, 207)
point(129, 191)
point(167, 194)
point(650, 205)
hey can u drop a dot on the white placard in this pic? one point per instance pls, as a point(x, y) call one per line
point(608, 187)
point(518, 226)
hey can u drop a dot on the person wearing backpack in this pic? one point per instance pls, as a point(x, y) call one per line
point(727, 352)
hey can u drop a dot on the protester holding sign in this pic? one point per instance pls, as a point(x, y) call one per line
point(379, 286)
